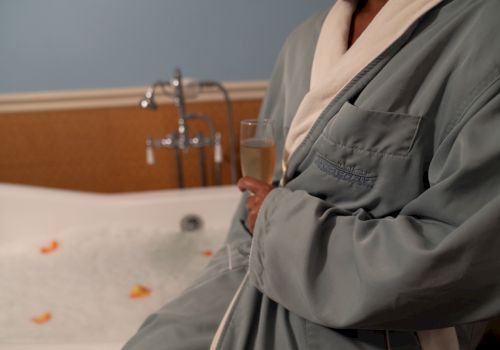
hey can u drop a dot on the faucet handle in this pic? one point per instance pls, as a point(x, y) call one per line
point(218, 148)
point(150, 154)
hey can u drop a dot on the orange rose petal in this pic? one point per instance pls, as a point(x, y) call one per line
point(42, 318)
point(139, 292)
point(50, 248)
point(207, 252)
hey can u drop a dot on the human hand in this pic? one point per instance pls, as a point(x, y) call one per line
point(258, 192)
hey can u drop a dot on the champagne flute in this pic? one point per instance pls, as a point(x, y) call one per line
point(257, 149)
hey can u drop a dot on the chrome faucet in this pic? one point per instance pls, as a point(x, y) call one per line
point(180, 139)
point(183, 141)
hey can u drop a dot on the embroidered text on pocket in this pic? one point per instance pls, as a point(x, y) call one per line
point(344, 173)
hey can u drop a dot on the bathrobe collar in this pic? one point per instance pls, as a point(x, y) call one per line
point(334, 65)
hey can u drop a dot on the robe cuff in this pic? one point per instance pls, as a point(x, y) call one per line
point(257, 252)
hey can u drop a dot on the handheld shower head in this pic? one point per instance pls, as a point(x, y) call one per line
point(148, 101)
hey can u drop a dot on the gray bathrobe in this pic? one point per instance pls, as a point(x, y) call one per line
point(389, 218)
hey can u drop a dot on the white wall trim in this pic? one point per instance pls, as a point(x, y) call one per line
point(118, 97)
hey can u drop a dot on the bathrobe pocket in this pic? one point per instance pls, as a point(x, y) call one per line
point(361, 157)
point(375, 132)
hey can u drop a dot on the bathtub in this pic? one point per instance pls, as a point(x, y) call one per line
point(82, 270)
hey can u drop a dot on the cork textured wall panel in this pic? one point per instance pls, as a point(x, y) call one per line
point(103, 150)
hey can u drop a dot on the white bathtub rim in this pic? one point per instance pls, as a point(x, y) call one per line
point(30, 211)
point(199, 192)
point(61, 346)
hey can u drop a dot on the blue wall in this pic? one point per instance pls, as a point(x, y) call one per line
point(69, 44)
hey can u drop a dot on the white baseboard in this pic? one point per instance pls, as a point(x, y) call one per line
point(118, 97)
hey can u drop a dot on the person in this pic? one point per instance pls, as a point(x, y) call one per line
point(381, 227)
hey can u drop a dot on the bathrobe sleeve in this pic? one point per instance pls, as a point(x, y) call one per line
point(433, 265)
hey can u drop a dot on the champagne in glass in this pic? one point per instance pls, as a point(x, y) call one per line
point(257, 149)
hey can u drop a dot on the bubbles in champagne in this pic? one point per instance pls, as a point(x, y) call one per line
point(257, 158)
